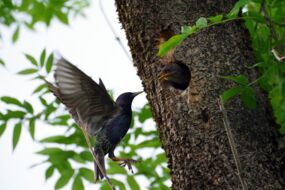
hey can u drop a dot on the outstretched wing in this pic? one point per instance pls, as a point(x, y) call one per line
point(83, 96)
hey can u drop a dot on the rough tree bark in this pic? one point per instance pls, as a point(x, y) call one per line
point(190, 122)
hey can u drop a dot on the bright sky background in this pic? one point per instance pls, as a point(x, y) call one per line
point(89, 44)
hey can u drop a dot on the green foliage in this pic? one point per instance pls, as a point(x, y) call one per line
point(176, 40)
point(16, 134)
point(28, 13)
point(49, 172)
point(71, 160)
point(216, 19)
point(49, 63)
point(32, 127)
point(133, 183)
point(171, 43)
point(87, 174)
point(2, 128)
point(2, 62)
point(236, 9)
point(35, 11)
point(11, 100)
point(16, 34)
point(201, 22)
point(27, 71)
point(31, 59)
point(77, 183)
point(243, 89)
point(267, 34)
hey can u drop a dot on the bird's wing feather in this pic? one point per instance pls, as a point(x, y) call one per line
point(83, 95)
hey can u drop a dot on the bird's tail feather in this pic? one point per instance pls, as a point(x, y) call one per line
point(98, 173)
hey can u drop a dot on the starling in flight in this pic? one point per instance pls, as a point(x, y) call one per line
point(94, 110)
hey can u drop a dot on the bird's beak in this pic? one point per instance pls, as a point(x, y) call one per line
point(137, 93)
point(164, 76)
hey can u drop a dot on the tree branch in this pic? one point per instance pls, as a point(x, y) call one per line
point(118, 39)
point(232, 144)
point(83, 126)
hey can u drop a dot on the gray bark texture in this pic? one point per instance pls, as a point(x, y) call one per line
point(190, 122)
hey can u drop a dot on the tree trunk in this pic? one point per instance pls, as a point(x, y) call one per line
point(190, 122)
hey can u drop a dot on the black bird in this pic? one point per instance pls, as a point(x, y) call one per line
point(92, 108)
point(176, 74)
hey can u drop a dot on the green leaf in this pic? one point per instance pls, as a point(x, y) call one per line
point(149, 143)
point(235, 10)
point(62, 17)
point(216, 19)
point(57, 158)
point(54, 139)
point(230, 93)
point(119, 184)
point(11, 100)
point(144, 114)
point(87, 174)
point(40, 88)
point(16, 134)
point(49, 172)
point(201, 22)
point(31, 59)
point(63, 167)
point(2, 62)
point(49, 63)
point(32, 127)
point(50, 151)
point(78, 159)
point(43, 57)
point(86, 155)
point(248, 97)
point(115, 169)
point(15, 114)
point(77, 183)
point(176, 40)
point(105, 186)
point(133, 183)
point(62, 181)
point(2, 128)
point(188, 30)
point(43, 101)
point(28, 107)
point(28, 71)
point(160, 158)
point(171, 43)
point(240, 79)
point(16, 34)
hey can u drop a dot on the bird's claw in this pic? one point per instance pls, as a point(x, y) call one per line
point(128, 163)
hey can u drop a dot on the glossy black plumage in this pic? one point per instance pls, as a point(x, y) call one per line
point(176, 74)
point(90, 104)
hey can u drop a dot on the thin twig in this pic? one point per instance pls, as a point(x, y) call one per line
point(273, 34)
point(118, 39)
point(232, 144)
point(277, 56)
point(84, 127)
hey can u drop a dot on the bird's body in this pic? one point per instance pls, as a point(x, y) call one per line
point(112, 133)
point(94, 110)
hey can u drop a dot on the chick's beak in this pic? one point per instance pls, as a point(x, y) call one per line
point(164, 76)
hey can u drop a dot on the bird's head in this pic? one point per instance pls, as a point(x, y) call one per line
point(125, 100)
point(175, 74)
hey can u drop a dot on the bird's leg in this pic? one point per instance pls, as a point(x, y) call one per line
point(125, 162)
